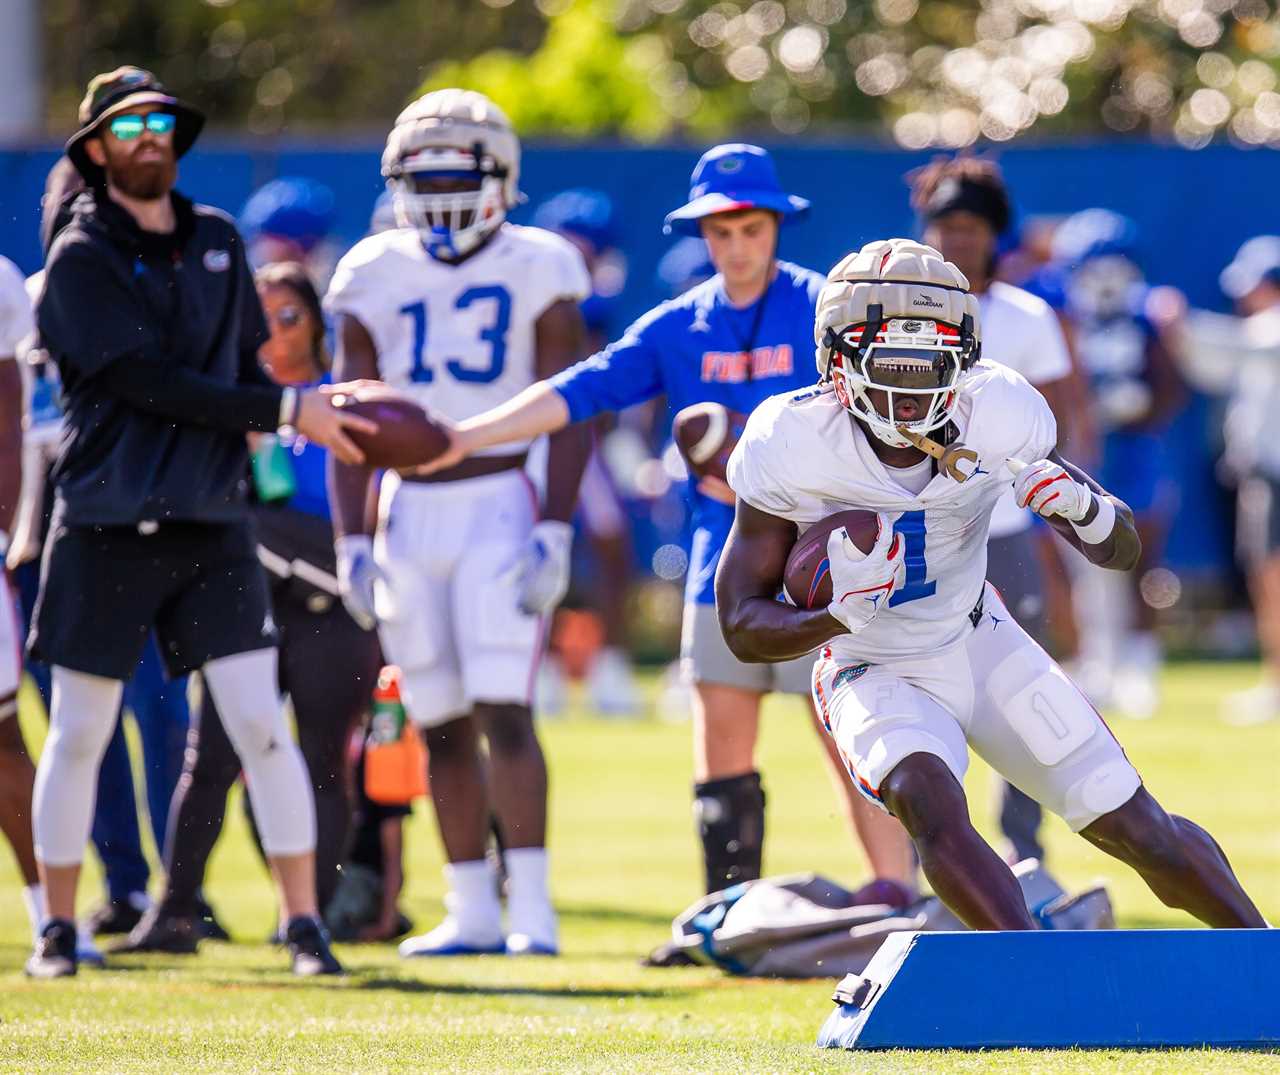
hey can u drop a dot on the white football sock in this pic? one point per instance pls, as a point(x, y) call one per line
point(37, 909)
point(82, 716)
point(244, 689)
point(472, 899)
point(529, 909)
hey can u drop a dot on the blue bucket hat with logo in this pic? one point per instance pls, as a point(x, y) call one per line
point(729, 177)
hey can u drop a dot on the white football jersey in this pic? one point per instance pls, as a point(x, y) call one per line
point(1021, 331)
point(803, 457)
point(458, 338)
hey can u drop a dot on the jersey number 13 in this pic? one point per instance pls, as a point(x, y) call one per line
point(495, 335)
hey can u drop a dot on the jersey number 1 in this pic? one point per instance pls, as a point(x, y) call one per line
point(911, 526)
point(495, 336)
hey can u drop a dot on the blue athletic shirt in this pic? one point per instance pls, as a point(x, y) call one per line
point(694, 348)
point(309, 463)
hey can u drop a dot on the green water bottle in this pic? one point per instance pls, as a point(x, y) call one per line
point(272, 470)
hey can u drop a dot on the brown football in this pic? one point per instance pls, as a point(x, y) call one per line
point(406, 436)
point(808, 574)
point(706, 434)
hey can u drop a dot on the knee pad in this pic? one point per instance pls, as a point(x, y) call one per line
point(244, 689)
point(1105, 787)
point(730, 818)
point(82, 714)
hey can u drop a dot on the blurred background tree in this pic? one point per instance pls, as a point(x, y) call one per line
point(931, 72)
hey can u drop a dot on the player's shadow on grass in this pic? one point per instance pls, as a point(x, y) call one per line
point(414, 985)
point(600, 913)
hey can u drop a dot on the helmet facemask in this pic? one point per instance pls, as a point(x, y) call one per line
point(902, 356)
point(454, 223)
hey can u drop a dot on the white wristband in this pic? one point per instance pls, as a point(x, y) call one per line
point(1096, 532)
point(288, 409)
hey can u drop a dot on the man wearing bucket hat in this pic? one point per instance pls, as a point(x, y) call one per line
point(149, 311)
point(736, 339)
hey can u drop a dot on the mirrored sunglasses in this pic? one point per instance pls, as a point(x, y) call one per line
point(127, 128)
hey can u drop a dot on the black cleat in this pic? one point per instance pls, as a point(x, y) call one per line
point(209, 927)
point(117, 916)
point(668, 955)
point(308, 943)
point(161, 932)
point(55, 951)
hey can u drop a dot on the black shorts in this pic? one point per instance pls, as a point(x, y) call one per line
point(104, 589)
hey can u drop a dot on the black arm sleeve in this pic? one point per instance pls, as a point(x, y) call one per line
point(180, 393)
point(251, 371)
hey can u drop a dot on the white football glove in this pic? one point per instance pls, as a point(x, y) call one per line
point(357, 572)
point(862, 582)
point(1048, 489)
point(541, 571)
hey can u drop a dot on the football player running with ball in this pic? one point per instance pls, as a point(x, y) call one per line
point(921, 658)
point(461, 311)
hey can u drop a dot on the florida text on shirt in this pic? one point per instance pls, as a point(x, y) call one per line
point(730, 367)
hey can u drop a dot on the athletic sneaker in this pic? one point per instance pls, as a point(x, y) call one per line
point(611, 685)
point(668, 955)
point(118, 915)
point(523, 944)
point(162, 932)
point(55, 951)
point(308, 943)
point(1256, 705)
point(88, 953)
point(447, 939)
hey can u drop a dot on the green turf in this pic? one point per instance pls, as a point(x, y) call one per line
point(624, 862)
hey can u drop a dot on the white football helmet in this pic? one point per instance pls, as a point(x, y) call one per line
point(897, 317)
point(452, 134)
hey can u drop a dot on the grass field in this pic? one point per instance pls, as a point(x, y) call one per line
point(623, 863)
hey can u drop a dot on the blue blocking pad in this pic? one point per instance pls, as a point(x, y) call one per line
point(1100, 989)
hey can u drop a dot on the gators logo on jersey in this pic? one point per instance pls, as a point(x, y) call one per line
point(848, 675)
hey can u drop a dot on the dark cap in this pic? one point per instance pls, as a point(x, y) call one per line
point(116, 91)
point(962, 193)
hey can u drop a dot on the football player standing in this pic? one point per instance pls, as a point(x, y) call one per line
point(735, 339)
point(462, 310)
point(921, 657)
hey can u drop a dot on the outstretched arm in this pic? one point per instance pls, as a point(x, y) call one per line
point(624, 373)
point(1091, 520)
point(758, 627)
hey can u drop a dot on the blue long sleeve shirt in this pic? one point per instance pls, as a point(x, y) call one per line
point(698, 348)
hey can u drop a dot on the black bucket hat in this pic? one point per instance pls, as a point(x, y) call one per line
point(116, 91)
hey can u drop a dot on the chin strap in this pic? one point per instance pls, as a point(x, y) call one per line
point(949, 458)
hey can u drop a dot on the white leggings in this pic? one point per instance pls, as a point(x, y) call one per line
point(81, 721)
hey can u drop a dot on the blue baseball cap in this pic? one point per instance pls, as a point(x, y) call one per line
point(733, 176)
point(580, 211)
point(291, 207)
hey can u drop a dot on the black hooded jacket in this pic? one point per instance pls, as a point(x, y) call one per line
point(156, 339)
